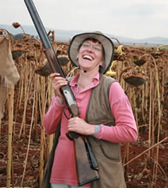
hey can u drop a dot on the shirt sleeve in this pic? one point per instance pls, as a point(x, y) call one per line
point(53, 115)
point(125, 129)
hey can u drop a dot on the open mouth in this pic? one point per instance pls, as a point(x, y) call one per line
point(87, 57)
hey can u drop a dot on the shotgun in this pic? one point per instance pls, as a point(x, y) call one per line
point(85, 161)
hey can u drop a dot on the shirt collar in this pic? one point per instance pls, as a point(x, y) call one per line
point(95, 81)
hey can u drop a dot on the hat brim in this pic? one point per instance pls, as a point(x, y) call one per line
point(105, 41)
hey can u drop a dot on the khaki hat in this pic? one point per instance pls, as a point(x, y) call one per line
point(107, 43)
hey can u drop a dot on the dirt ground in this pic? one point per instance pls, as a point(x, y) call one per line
point(138, 173)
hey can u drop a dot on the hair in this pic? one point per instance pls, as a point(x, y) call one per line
point(95, 40)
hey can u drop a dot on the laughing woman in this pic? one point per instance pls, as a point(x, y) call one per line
point(106, 116)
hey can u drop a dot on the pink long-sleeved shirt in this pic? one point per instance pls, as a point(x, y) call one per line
point(125, 130)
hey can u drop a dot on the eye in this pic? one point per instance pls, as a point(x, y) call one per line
point(98, 47)
point(86, 44)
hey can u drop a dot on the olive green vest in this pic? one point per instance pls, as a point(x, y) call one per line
point(108, 154)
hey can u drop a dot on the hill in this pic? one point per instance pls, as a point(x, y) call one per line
point(66, 35)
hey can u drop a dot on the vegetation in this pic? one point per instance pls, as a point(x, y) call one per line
point(143, 74)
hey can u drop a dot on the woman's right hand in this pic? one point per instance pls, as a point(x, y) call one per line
point(57, 83)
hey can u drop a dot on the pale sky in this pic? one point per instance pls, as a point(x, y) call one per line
point(127, 18)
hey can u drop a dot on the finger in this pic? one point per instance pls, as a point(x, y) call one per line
point(53, 75)
point(73, 120)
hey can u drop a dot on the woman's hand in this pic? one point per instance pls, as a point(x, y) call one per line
point(80, 126)
point(57, 83)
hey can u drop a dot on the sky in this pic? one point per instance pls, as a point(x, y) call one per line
point(128, 18)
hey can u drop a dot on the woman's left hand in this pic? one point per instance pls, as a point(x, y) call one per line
point(80, 126)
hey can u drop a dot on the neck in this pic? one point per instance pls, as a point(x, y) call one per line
point(85, 78)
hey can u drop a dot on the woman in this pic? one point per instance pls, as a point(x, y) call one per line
point(105, 117)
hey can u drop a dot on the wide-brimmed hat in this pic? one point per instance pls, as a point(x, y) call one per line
point(78, 39)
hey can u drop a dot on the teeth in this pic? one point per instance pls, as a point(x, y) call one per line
point(87, 57)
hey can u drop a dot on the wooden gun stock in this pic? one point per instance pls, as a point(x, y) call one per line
point(86, 173)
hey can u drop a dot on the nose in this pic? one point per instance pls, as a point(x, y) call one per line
point(90, 48)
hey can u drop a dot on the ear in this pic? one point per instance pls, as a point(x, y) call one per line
point(101, 63)
point(77, 57)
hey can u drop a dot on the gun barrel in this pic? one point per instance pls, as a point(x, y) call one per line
point(51, 56)
point(49, 51)
point(38, 24)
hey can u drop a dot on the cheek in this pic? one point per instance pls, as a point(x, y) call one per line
point(100, 59)
point(79, 58)
point(79, 55)
point(80, 51)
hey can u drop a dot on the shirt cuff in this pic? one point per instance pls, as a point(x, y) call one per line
point(97, 128)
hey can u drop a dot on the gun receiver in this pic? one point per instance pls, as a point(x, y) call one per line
point(86, 173)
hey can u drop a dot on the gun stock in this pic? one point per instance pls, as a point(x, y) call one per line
point(85, 173)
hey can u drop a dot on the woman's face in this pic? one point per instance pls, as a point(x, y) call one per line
point(90, 55)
